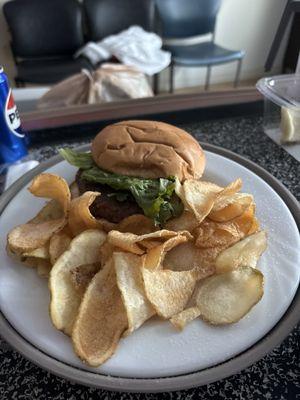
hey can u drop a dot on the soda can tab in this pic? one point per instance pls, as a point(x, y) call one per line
point(12, 136)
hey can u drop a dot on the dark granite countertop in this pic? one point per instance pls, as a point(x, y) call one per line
point(276, 376)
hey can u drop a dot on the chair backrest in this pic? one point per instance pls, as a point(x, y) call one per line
point(44, 28)
point(108, 17)
point(186, 18)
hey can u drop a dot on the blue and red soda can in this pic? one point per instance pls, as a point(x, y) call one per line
point(12, 137)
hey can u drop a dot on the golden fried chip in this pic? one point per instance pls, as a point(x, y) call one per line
point(214, 234)
point(246, 252)
point(186, 221)
point(51, 219)
point(168, 291)
point(54, 187)
point(52, 210)
point(41, 252)
point(184, 317)
point(187, 256)
point(226, 298)
point(137, 224)
point(101, 320)
point(43, 268)
point(28, 237)
point(198, 197)
point(80, 218)
point(138, 244)
point(65, 299)
point(106, 252)
point(82, 276)
point(225, 209)
point(224, 234)
point(154, 257)
point(31, 262)
point(254, 227)
point(128, 269)
point(39, 259)
point(58, 244)
point(230, 189)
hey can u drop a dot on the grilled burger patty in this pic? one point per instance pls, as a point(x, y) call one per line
point(107, 206)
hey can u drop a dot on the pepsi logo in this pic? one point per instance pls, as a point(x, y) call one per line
point(12, 117)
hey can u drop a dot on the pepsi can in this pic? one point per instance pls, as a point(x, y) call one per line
point(12, 137)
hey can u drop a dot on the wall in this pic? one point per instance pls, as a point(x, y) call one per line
point(242, 24)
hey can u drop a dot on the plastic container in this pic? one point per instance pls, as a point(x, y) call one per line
point(281, 107)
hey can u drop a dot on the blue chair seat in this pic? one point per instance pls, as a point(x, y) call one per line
point(203, 54)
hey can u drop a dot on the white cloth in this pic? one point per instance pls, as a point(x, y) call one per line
point(134, 47)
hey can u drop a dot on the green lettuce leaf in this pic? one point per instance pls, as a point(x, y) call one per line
point(155, 196)
point(79, 160)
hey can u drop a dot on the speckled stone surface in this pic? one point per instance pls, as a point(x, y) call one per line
point(276, 376)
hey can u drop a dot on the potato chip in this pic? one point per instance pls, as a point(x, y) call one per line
point(168, 291)
point(80, 218)
point(52, 210)
point(106, 252)
point(58, 244)
point(128, 269)
point(187, 256)
point(215, 234)
point(226, 298)
point(31, 262)
point(65, 299)
point(154, 257)
point(101, 320)
point(254, 227)
point(230, 189)
point(199, 197)
point(137, 224)
point(184, 317)
point(138, 244)
point(28, 237)
point(186, 221)
point(54, 187)
point(245, 222)
point(228, 208)
point(179, 189)
point(244, 253)
point(82, 276)
point(224, 234)
point(43, 267)
point(41, 252)
point(19, 258)
point(38, 231)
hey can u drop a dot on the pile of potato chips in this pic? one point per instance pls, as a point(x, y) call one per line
point(106, 280)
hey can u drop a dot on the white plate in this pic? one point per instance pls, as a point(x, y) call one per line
point(157, 350)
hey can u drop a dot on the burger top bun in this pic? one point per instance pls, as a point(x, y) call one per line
point(148, 149)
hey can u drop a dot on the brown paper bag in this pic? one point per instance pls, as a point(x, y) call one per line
point(111, 82)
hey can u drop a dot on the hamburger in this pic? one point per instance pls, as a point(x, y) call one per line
point(135, 166)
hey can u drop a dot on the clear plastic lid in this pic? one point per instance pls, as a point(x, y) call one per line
point(284, 90)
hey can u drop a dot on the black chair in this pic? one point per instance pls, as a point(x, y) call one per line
point(108, 17)
point(182, 19)
point(45, 35)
